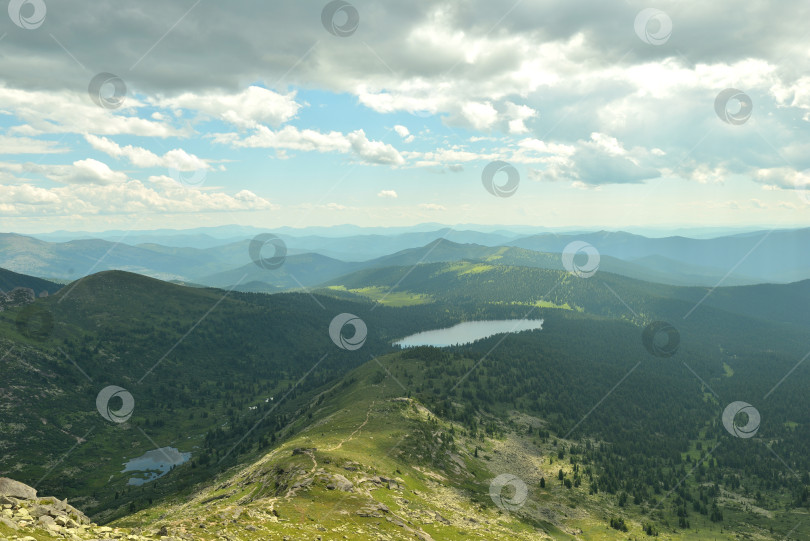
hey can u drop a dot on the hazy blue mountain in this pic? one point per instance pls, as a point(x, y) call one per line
point(765, 256)
point(740, 259)
point(297, 271)
point(655, 270)
point(74, 259)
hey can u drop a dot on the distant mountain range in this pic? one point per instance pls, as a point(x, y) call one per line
point(220, 256)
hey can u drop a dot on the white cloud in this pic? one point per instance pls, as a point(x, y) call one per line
point(71, 112)
point(245, 110)
point(601, 160)
point(88, 171)
point(794, 94)
point(177, 159)
point(374, 151)
point(785, 178)
point(131, 197)
point(519, 115)
point(480, 115)
point(26, 145)
point(431, 207)
point(403, 132)
point(388, 194)
point(291, 138)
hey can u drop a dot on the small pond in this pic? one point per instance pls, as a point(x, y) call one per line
point(154, 464)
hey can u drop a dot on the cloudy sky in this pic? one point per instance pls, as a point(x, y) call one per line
point(603, 113)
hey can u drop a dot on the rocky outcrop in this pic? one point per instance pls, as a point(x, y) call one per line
point(19, 296)
point(15, 489)
point(22, 509)
point(26, 513)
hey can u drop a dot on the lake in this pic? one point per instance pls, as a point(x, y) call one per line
point(154, 464)
point(468, 332)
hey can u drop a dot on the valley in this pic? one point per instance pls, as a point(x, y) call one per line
point(596, 433)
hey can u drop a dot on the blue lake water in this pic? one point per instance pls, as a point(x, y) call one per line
point(154, 464)
point(468, 332)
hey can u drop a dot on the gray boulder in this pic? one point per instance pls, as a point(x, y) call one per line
point(15, 489)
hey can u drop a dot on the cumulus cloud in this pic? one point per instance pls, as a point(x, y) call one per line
point(519, 114)
point(87, 171)
point(573, 93)
point(784, 177)
point(65, 111)
point(177, 159)
point(292, 138)
point(403, 132)
point(387, 194)
point(601, 160)
point(130, 197)
point(247, 109)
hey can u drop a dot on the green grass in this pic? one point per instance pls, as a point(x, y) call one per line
point(369, 425)
point(387, 297)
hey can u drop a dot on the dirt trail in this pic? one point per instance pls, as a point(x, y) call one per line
point(351, 436)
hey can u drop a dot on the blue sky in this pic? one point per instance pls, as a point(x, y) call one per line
point(255, 113)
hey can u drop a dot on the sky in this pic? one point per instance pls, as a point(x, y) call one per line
point(549, 113)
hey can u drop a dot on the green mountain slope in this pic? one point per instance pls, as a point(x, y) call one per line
point(649, 269)
point(9, 280)
point(202, 363)
point(369, 462)
point(605, 294)
point(583, 407)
